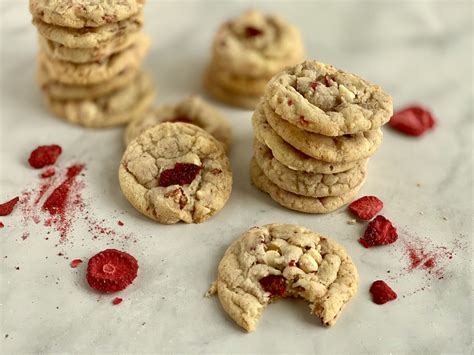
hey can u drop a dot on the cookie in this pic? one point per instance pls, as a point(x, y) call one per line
point(116, 108)
point(286, 154)
point(86, 55)
point(307, 184)
point(338, 149)
point(298, 202)
point(83, 13)
point(61, 91)
point(93, 73)
point(226, 95)
point(257, 45)
point(89, 37)
point(193, 110)
point(176, 172)
point(276, 261)
point(319, 98)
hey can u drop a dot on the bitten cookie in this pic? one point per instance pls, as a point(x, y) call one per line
point(193, 110)
point(304, 183)
point(275, 261)
point(176, 172)
point(115, 108)
point(298, 202)
point(83, 13)
point(338, 149)
point(320, 98)
point(287, 154)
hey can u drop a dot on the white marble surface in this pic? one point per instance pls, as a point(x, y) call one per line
point(419, 51)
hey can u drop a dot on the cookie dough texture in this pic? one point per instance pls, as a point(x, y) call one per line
point(96, 72)
point(246, 52)
point(193, 110)
point(287, 154)
point(314, 268)
point(304, 183)
point(322, 99)
point(83, 13)
point(299, 202)
point(161, 148)
point(90, 37)
point(116, 108)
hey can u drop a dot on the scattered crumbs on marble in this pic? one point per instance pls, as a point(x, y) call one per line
point(421, 213)
point(418, 184)
point(6, 336)
point(17, 268)
point(352, 221)
point(57, 307)
point(143, 323)
point(445, 218)
point(388, 271)
point(120, 223)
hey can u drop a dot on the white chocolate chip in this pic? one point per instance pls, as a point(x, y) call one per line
point(346, 93)
point(273, 258)
point(276, 244)
point(307, 263)
point(315, 255)
point(290, 272)
point(291, 252)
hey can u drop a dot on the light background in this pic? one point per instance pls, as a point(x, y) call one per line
point(419, 51)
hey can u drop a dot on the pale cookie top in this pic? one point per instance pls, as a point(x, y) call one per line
point(287, 154)
point(284, 260)
point(323, 99)
point(176, 172)
point(84, 13)
point(257, 45)
point(89, 37)
point(338, 149)
point(193, 110)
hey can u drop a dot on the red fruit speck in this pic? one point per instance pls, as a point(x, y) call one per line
point(366, 207)
point(48, 173)
point(44, 155)
point(274, 284)
point(1, 225)
point(120, 223)
point(252, 31)
point(7, 207)
point(111, 270)
point(75, 263)
point(413, 121)
point(116, 301)
point(380, 231)
point(181, 174)
point(381, 292)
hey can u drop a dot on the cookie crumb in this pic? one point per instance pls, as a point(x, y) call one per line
point(421, 212)
point(445, 218)
point(351, 221)
point(418, 184)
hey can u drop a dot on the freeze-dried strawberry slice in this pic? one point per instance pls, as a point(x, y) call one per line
point(181, 174)
point(44, 155)
point(380, 231)
point(381, 292)
point(366, 207)
point(274, 284)
point(413, 121)
point(111, 270)
point(7, 207)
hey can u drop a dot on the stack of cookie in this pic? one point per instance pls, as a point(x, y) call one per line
point(89, 60)
point(315, 129)
point(247, 52)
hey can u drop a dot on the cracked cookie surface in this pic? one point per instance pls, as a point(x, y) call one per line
point(115, 108)
point(338, 149)
point(297, 202)
point(287, 154)
point(193, 110)
point(84, 13)
point(320, 98)
point(176, 172)
point(282, 260)
point(304, 183)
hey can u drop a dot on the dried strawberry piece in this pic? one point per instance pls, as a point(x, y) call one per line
point(7, 207)
point(117, 300)
point(111, 270)
point(75, 263)
point(381, 292)
point(252, 31)
point(44, 155)
point(181, 174)
point(413, 121)
point(380, 231)
point(274, 284)
point(366, 207)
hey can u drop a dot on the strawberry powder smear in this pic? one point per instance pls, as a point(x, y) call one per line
point(44, 155)
point(8, 207)
point(413, 121)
